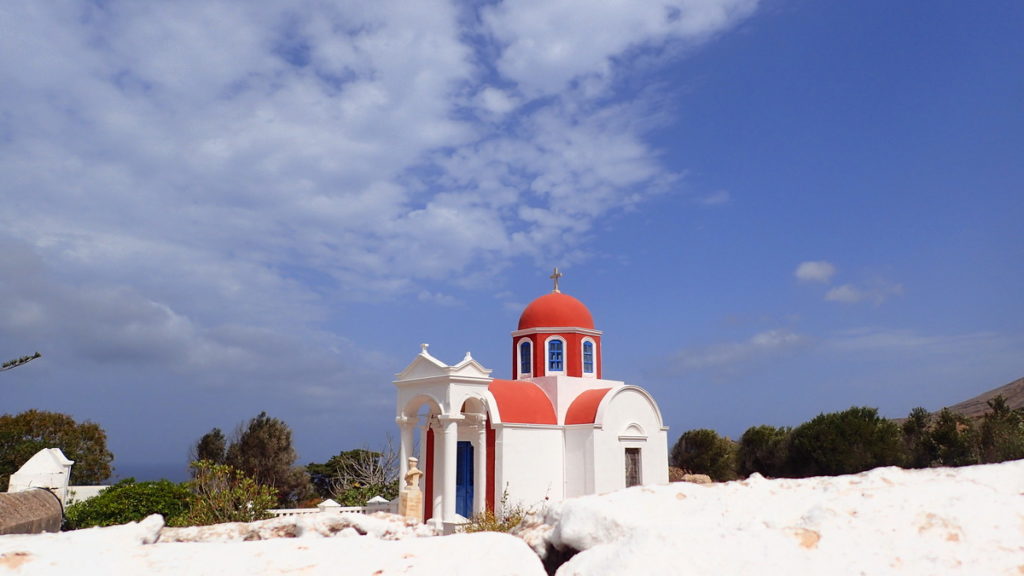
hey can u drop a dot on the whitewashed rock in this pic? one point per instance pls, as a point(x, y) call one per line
point(378, 525)
point(966, 521)
point(129, 550)
point(886, 521)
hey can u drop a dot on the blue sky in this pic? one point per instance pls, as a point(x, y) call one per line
point(772, 209)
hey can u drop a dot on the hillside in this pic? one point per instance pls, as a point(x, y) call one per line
point(977, 406)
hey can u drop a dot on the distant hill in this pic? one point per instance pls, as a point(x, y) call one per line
point(977, 406)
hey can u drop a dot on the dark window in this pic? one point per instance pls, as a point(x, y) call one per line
point(633, 467)
point(588, 357)
point(525, 357)
point(555, 356)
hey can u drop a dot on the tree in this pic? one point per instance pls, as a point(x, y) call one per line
point(212, 447)
point(354, 476)
point(845, 442)
point(956, 441)
point(703, 451)
point(24, 434)
point(130, 501)
point(763, 449)
point(221, 493)
point(1002, 432)
point(918, 445)
point(263, 451)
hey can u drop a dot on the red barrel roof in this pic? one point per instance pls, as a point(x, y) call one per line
point(583, 409)
point(522, 402)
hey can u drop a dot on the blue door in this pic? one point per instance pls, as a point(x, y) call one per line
point(464, 480)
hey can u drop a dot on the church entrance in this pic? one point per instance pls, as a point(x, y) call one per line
point(464, 480)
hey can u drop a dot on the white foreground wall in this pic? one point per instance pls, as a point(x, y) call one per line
point(530, 466)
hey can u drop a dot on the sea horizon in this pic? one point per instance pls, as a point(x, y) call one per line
point(149, 471)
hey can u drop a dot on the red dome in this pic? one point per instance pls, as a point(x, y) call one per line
point(556, 310)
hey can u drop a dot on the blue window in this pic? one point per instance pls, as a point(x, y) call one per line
point(555, 356)
point(588, 357)
point(525, 357)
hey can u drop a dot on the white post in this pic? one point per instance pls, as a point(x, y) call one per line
point(450, 435)
point(480, 466)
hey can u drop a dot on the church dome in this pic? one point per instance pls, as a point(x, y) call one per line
point(556, 310)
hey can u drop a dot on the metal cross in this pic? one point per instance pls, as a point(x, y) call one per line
point(555, 276)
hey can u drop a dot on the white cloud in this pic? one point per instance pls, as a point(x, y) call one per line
point(815, 271)
point(873, 339)
point(547, 45)
point(877, 293)
point(716, 198)
point(846, 293)
point(728, 355)
point(196, 180)
point(316, 133)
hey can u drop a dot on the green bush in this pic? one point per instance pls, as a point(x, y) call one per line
point(509, 517)
point(919, 447)
point(1002, 432)
point(956, 440)
point(130, 501)
point(703, 451)
point(845, 442)
point(221, 493)
point(763, 449)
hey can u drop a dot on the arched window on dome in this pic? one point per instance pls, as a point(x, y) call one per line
point(556, 355)
point(525, 358)
point(588, 357)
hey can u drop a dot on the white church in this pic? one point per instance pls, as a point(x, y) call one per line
point(556, 430)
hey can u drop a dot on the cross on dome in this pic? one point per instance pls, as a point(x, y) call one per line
point(555, 276)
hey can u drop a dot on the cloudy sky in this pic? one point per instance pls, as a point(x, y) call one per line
point(772, 208)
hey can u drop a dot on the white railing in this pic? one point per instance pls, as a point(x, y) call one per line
point(377, 504)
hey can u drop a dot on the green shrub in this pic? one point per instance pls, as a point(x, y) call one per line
point(763, 449)
point(221, 493)
point(130, 501)
point(510, 517)
point(1002, 432)
point(955, 439)
point(703, 451)
point(847, 442)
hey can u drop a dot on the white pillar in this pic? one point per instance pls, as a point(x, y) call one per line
point(480, 467)
point(404, 446)
point(437, 471)
point(423, 450)
point(450, 435)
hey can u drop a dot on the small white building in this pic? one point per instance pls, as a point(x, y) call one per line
point(556, 430)
point(49, 468)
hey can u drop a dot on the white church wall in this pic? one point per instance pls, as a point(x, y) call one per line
point(563, 390)
point(579, 460)
point(629, 420)
point(530, 465)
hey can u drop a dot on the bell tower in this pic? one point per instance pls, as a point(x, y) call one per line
point(556, 337)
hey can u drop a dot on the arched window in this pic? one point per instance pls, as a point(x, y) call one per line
point(556, 359)
point(525, 357)
point(588, 357)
